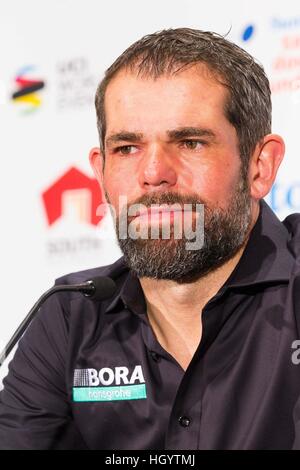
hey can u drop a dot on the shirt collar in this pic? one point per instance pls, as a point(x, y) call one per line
point(129, 294)
point(266, 259)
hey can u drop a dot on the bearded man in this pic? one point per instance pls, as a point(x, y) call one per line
point(197, 349)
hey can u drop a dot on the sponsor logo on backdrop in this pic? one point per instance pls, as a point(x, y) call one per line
point(284, 39)
point(70, 204)
point(285, 197)
point(285, 65)
point(248, 32)
point(27, 93)
point(76, 84)
point(73, 190)
point(287, 22)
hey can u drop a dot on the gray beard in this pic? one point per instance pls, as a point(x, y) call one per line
point(225, 231)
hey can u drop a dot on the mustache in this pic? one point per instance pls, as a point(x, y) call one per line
point(168, 198)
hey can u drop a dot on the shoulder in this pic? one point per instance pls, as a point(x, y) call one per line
point(72, 304)
point(114, 270)
point(292, 224)
point(65, 307)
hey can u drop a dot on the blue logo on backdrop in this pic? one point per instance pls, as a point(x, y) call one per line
point(283, 197)
point(248, 32)
point(280, 23)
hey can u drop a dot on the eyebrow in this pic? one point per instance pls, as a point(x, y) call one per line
point(174, 134)
point(184, 132)
point(124, 136)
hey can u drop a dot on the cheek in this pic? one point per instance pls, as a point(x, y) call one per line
point(216, 186)
point(113, 191)
point(120, 190)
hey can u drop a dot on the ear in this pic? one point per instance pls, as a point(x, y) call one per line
point(97, 163)
point(264, 165)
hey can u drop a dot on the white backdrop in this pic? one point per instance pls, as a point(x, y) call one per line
point(63, 47)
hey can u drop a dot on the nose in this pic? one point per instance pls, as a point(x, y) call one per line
point(157, 170)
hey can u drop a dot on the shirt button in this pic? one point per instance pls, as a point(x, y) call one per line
point(184, 421)
point(155, 356)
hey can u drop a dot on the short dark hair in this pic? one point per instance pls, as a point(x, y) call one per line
point(248, 107)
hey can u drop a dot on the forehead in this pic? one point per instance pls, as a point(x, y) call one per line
point(142, 101)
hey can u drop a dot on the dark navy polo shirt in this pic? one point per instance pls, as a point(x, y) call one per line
point(92, 375)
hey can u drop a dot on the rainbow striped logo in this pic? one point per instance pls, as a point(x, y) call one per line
point(27, 88)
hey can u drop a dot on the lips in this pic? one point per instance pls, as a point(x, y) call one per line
point(156, 214)
point(157, 210)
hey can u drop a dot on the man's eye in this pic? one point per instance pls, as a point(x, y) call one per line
point(192, 144)
point(125, 149)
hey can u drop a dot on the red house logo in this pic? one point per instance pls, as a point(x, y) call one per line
point(73, 195)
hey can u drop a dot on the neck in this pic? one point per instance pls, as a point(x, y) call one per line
point(174, 310)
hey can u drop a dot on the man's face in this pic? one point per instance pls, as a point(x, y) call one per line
point(168, 141)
